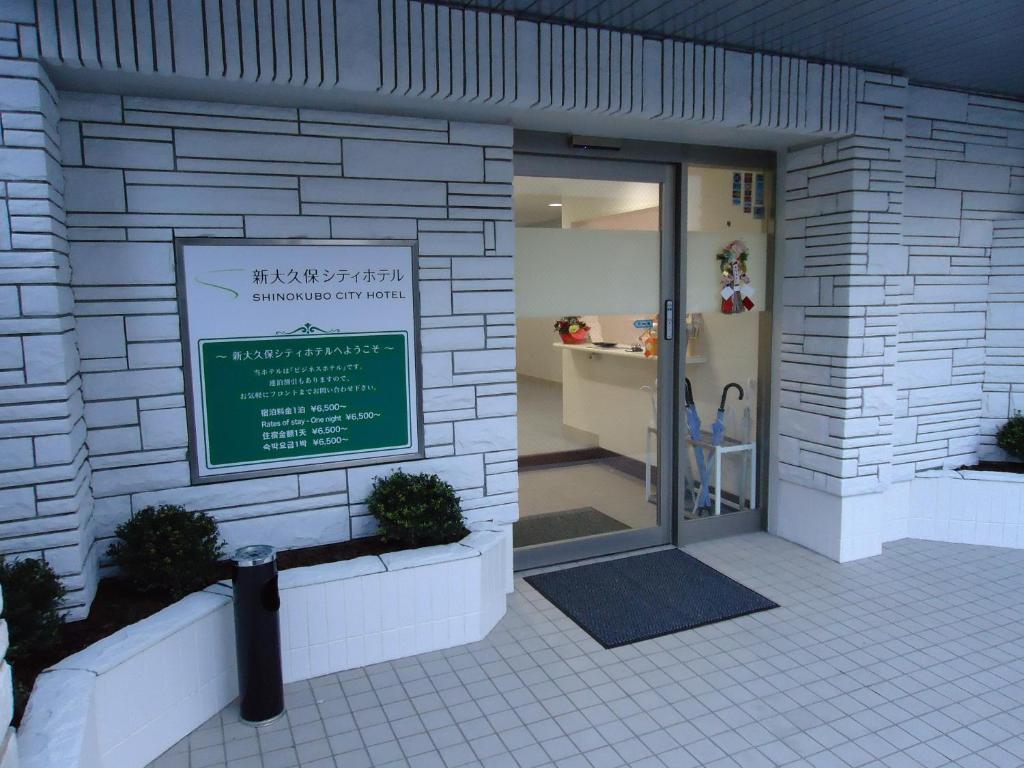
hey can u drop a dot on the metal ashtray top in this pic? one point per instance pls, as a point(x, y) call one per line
point(254, 554)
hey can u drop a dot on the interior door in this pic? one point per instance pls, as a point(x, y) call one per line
point(596, 249)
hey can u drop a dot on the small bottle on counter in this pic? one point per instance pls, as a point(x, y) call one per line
point(649, 340)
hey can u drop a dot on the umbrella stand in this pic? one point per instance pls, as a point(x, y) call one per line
point(746, 427)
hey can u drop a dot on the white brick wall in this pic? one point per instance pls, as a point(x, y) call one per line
point(141, 171)
point(290, 172)
point(842, 266)
point(843, 255)
point(960, 369)
point(900, 323)
point(44, 472)
point(1003, 385)
point(902, 328)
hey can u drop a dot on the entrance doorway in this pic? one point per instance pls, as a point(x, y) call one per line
point(643, 332)
point(595, 316)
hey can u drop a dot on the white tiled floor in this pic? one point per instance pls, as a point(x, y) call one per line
point(913, 658)
point(540, 419)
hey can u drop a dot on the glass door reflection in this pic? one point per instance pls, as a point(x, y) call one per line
point(590, 281)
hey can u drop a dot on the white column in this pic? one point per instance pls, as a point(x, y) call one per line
point(45, 500)
point(843, 265)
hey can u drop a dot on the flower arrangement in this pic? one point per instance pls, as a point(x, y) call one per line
point(734, 281)
point(572, 329)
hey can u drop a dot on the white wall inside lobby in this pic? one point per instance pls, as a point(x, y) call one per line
point(709, 206)
point(580, 272)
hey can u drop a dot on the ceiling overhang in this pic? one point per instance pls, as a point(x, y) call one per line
point(972, 46)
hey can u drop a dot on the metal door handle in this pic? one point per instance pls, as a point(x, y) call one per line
point(670, 318)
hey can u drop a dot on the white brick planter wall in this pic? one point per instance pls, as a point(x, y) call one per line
point(374, 609)
point(8, 738)
point(962, 507)
point(123, 701)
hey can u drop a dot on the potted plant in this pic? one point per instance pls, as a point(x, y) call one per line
point(1010, 436)
point(416, 510)
point(572, 329)
point(33, 596)
point(167, 551)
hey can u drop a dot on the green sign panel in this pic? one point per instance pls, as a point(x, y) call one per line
point(294, 397)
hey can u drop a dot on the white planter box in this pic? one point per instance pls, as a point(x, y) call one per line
point(967, 507)
point(125, 700)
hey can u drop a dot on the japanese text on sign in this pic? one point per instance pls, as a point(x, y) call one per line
point(299, 354)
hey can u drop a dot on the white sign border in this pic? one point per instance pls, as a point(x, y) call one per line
point(197, 477)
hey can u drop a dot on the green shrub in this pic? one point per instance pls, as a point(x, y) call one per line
point(22, 690)
point(32, 599)
point(1010, 436)
point(416, 510)
point(167, 551)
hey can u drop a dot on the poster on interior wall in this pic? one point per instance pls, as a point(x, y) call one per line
point(737, 188)
point(748, 183)
point(298, 354)
point(759, 196)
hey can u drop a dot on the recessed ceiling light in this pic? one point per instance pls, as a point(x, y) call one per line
point(554, 205)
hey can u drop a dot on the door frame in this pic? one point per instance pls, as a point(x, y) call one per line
point(666, 176)
point(547, 154)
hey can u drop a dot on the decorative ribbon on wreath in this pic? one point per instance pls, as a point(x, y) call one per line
point(735, 282)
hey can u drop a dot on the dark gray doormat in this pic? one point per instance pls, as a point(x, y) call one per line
point(630, 599)
point(559, 526)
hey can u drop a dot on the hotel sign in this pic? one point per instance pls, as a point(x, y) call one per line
point(298, 354)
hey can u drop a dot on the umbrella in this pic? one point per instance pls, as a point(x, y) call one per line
point(718, 428)
point(693, 423)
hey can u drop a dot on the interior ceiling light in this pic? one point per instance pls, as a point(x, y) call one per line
point(554, 205)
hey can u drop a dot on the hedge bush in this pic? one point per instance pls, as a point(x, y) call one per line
point(33, 595)
point(416, 510)
point(167, 551)
point(1010, 436)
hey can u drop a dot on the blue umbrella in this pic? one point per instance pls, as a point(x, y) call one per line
point(693, 423)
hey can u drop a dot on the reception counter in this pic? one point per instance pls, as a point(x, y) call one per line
point(619, 350)
point(603, 394)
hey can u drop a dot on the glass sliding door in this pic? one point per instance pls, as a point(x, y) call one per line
point(596, 363)
point(727, 274)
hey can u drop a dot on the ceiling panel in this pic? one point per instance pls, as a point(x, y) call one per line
point(967, 44)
